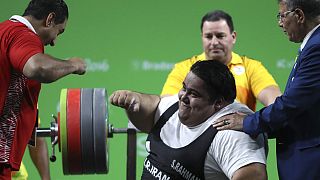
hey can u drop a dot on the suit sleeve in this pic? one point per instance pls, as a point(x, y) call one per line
point(301, 94)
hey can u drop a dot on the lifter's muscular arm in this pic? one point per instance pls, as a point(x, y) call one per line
point(45, 68)
point(254, 171)
point(139, 107)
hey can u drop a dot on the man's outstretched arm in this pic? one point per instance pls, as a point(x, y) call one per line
point(140, 108)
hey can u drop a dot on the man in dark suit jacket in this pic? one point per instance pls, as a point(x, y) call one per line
point(294, 118)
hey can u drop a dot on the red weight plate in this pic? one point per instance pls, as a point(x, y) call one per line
point(73, 131)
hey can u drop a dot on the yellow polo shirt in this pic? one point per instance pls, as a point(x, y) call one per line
point(250, 76)
point(22, 174)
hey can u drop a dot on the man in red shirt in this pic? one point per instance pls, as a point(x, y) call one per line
point(23, 67)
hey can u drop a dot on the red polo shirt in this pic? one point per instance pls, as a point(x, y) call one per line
point(18, 95)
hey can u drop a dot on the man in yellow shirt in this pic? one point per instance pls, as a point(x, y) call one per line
point(253, 81)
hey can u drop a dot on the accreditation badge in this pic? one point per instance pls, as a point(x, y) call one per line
point(238, 69)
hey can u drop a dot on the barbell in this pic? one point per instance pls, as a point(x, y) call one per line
point(81, 130)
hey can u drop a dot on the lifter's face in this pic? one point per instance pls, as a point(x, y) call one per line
point(218, 41)
point(194, 104)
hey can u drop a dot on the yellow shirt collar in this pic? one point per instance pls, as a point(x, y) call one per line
point(236, 59)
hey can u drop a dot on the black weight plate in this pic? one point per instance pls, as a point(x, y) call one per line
point(87, 148)
point(99, 130)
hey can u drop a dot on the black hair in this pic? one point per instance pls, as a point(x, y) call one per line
point(40, 9)
point(220, 83)
point(216, 16)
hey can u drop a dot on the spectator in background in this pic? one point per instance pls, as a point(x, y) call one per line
point(218, 36)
